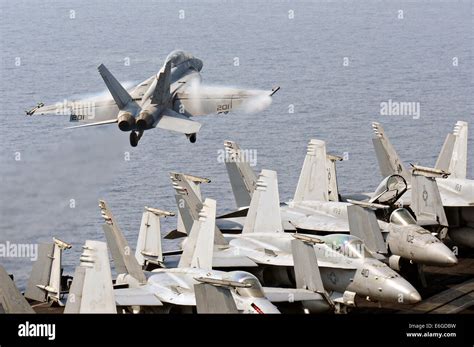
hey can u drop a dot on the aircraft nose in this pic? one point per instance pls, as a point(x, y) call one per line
point(402, 291)
point(414, 297)
point(442, 255)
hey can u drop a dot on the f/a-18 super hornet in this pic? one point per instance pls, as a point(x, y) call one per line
point(316, 208)
point(456, 192)
point(166, 100)
point(347, 267)
point(165, 289)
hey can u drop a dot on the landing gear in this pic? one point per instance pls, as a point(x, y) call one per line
point(135, 137)
point(192, 137)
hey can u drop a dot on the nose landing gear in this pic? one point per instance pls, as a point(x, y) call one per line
point(135, 137)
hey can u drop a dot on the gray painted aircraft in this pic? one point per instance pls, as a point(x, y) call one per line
point(455, 190)
point(11, 300)
point(44, 284)
point(92, 289)
point(316, 208)
point(166, 100)
point(172, 289)
point(347, 267)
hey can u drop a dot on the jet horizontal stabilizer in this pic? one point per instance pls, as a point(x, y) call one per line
point(159, 212)
point(173, 121)
point(307, 238)
point(428, 171)
point(196, 179)
point(220, 282)
point(368, 204)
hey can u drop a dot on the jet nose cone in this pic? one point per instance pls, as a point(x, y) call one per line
point(442, 255)
point(413, 297)
point(402, 291)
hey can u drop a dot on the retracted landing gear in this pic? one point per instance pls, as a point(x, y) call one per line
point(135, 137)
point(192, 137)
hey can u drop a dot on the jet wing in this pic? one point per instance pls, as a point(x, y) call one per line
point(105, 122)
point(230, 224)
point(199, 100)
point(135, 297)
point(232, 261)
point(171, 120)
point(290, 294)
point(321, 222)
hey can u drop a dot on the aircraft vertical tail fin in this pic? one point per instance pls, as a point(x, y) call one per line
point(426, 200)
point(264, 211)
point(192, 188)
point(242, 178)
point(458, 162)
point(40, 273)
point(44, 283)
point(162, 88)
point(388, 159)
point(189, 202)
point(148, 252)
point(11, 300)
point(313, 181)
point(446, 154)
point(214, 299)
point(91, 289)
point(124, 260)
point(363, 224)
point(199, 247)
point(121, 96)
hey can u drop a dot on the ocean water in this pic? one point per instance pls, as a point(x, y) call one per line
point(50, 51)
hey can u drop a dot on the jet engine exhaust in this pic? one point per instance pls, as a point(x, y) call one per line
point(144, 121)
point(126, 121)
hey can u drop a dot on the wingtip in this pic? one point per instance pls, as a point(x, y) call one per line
point(274, 90)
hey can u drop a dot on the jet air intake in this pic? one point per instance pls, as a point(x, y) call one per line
point(126, 121)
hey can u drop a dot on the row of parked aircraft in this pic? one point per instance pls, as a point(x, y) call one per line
point(320, 252)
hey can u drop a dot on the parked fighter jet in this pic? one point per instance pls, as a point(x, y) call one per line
point(456, 191)
point(316, 207)
point(168, 289)
point(11, 300)
point(166, 100)
point(347, 266)
point(91, 289)
point(46, 281)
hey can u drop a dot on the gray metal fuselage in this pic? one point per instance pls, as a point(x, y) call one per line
point(175, 287)
point(359, 273)
point(411, 242)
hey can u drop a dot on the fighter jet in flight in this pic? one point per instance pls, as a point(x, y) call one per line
point(316, 208)
point(455, 190)
point(347, 267)
point(166, 100)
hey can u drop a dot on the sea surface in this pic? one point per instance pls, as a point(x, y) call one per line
point(335, 61)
